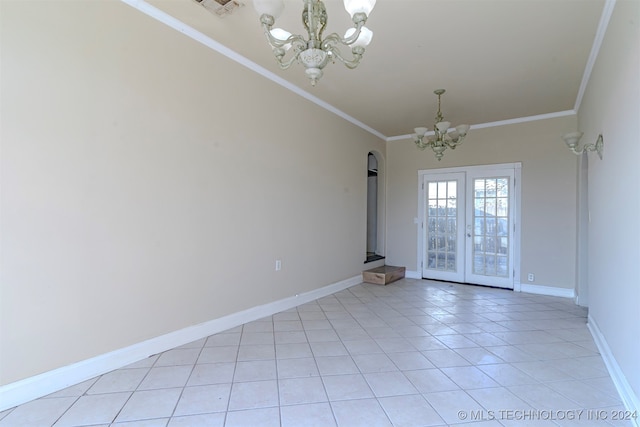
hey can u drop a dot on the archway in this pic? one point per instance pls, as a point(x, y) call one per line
point(375, 211)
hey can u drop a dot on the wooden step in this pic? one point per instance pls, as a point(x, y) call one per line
point(383, 275)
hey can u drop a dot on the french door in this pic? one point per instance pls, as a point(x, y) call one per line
point(468, 225)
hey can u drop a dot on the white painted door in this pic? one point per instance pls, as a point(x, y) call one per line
point(489, 228)
point(468, 225)
point(443, 226)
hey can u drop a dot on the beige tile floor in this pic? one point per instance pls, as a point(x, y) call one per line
point(413, 353)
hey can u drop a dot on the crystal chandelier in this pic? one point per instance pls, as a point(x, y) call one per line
point(441, 139)
point(315, 52)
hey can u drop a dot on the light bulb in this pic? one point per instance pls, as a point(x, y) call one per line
point(421, 130)
point(359, 6)
point(283, 35)
point(269, 7)
point(443, 126)
point(364, 38)
point(462, 129)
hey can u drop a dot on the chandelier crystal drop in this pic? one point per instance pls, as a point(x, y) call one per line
point(441, 138)
point(314, 52)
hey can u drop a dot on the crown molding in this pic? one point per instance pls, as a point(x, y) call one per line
point(499, 123)
point(159, 15)
point(207, 41)
point(607, 11)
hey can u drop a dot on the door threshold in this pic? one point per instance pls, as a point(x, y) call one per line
point(469, 284)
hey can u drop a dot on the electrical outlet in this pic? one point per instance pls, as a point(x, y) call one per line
point(278, 265)
point(531, 277)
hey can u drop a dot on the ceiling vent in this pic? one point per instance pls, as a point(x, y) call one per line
point(220, 7)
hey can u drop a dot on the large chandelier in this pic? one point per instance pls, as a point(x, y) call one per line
point(315, 52)
point(441, 138)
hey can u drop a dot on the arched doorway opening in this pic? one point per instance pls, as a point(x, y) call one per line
point(375, 211)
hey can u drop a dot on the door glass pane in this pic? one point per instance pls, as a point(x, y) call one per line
point(490, 187)
point(491, 226)
point(452, 226)
point(442, 212)
point(431, 261)
point(479, 224)
point(502, 266)
point(490, 207)
point(503, 187)
point(478, 264)
point(479, 188)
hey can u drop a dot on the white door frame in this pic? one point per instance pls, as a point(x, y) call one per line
point(517, 170)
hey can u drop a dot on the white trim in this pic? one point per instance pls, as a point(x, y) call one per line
point(629, 399)
point(499, 123)
point(410, 274)
point(399, 137)
point(518, 227)
point(524, 119)
point(607, 11)
point(479, 168)
point(31, 388)
point(196, 35)
point(548, 290)
point(517, 286)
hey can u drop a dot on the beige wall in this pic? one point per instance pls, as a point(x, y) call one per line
point(548, 241)
point(148, 185)
point(611, 106)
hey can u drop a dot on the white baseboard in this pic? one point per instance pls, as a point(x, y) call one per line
point(629, 399)
point(412, 274)
point(31, 388)
point(518, 287)
point(548, 290)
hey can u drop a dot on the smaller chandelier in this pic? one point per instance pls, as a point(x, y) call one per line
point(315, 52)
point(441, 138)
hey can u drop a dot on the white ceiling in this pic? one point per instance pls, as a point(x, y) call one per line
point(498, 59)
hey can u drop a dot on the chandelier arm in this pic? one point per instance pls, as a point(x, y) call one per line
point(335, 38)
point(285, 64)
point(572, 139)
point(419, 141)
point(451, 144)
point(357, 52)
point(280, 53)
point(294, 40)
point(330, 41)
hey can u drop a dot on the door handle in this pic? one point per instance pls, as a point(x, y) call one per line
point(468, 234)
